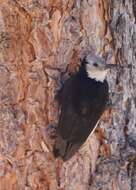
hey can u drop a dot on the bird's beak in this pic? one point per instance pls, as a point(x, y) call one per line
point(110, 66)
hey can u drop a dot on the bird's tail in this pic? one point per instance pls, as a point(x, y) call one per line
point(64, 148)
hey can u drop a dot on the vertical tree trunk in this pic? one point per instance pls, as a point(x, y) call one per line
point(38, 39)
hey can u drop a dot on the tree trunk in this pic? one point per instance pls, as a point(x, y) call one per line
point(38, 40)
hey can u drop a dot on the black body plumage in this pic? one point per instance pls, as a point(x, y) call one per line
point(82, 101)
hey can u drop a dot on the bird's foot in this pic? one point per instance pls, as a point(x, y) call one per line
point(113, 103)
point(51, 131)
point(51, 134)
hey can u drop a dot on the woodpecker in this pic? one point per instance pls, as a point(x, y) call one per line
point(83, 99)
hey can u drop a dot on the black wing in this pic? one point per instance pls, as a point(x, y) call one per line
point(82, 103)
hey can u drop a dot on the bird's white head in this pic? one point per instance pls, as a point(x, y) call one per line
point(96, 68)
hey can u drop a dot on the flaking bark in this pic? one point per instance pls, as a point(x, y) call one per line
point(40, 42)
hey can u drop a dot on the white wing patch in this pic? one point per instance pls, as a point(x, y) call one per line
point(94, 128)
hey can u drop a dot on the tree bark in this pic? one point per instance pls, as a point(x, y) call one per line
point(40, 42)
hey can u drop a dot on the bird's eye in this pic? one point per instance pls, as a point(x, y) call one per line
point(95, 64)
